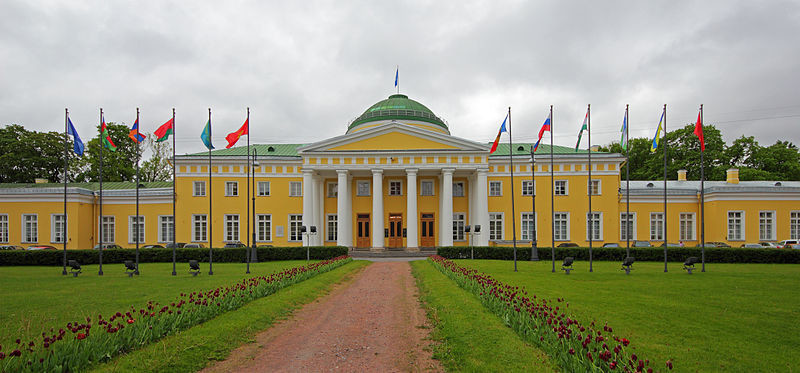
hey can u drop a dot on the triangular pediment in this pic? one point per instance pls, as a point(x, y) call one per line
point(393, 137)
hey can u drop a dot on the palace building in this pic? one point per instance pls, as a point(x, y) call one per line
point(396, 178)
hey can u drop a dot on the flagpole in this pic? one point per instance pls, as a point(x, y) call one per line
point(589, 185)
point(210, 247)
point(210, 195)
point(513, 213)
point(702, 200)
point(174, 181)
point(628, 224)
point(665, 188)
point(247, 181)
point(534, 249)
point(66, 166)
point(138, 218)
point(250, 250)
point(100, 230)
point(552, 197)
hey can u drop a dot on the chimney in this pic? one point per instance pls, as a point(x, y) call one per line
point(39, 180)
point(733, 176)
point(681, 175)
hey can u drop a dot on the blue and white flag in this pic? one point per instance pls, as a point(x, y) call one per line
point(77, 143)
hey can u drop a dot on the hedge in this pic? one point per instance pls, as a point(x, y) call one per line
point(233, 255)
point(649, 254)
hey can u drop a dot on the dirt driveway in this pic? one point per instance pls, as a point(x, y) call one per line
point(374, 323)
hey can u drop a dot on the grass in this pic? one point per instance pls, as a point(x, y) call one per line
point(734, 317)
point(470, 338)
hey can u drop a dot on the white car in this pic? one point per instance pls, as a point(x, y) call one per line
point(769, 245)
point(787, 243)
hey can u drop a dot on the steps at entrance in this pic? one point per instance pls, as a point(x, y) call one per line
point(391, 253)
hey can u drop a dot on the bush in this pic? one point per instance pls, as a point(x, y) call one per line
point(233, 255)
point(644, 254)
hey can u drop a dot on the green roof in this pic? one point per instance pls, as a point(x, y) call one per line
point(398, 106)
point(272, 150)
point(544, 149)
point(109, 185)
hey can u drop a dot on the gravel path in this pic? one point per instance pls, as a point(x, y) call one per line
point(374, 323)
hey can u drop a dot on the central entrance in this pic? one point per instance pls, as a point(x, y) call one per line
point(395, 239)
point(362, 223)
point(427, 237)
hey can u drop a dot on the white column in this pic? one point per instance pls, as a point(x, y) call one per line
point(482, 207)
point(316, 203)
point(343, 210)
point(447, 207)
point(412, 238)
point(377, 208)
point(308, 202)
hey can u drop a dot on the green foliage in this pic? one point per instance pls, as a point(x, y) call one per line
point(27, 155)
point(117, 166)
point(157, 167)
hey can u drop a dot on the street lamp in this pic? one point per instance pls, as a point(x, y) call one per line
point(471, 234)
point(251, 254)
point(309, 231)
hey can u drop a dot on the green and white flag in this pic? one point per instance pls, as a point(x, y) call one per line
point(583, 128)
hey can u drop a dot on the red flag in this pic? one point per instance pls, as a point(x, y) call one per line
point(233, 137)
point(163, 132)
point(497, 139)
point(698, 130)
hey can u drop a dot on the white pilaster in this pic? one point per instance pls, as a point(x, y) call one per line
point(377, 208)
point(447, 207)
point(482, 206)
point(316, 211)
point(412, 238)
point(343, 210)
point(308, 202)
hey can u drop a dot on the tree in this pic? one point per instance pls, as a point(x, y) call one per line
point(27, 155)
point(117, 166)
point(157, 167)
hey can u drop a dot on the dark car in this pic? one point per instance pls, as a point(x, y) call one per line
point(152, 247)
point(567, 244)
point(107, 246)
point(41, 247)
point(717, 244)
point(176, 245)
point(610, 244)
point(231, 245)
point(193, 246)
point(642, 244)
point(671, 244)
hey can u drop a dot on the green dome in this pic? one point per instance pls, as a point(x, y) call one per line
point(398, 106)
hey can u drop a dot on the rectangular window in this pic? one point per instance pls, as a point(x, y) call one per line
point(231, 188)
point(495, 188)
point(794, 226)
point(561, 188)
point(199, 228)
point(528, 231)
point(332, 226)
point(333, 190)
point(656, 226)
point(527, 188)
point(30, 228)
point(362, 188)
point(295, 189)
point(495, 226)
point(426, 188)
point(263, 188)
point(166, 228)
point(199, 189)
point(686, 224)
point(627, 231)
point(231, 228)
point(458, 189)
point(57, 228)
point(594, 226)
point(135, 223)
point(395, 188)
point(108, 225)
point(735, 226)
point(766, 225)
point(4, 228)
point(295, 222)
point(561, 220)
point(264, 222)
point(593, 187)
point(458, 227)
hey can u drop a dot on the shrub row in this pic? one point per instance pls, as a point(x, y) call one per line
point(649, 254)
point(233, 255)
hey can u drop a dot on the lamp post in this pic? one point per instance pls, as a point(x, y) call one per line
point(251, 255)
point(308, 231)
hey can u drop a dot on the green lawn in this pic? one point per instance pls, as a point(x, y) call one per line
point(735, 317)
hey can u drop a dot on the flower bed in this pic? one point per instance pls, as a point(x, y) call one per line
point(572, 346)
point(80, 344)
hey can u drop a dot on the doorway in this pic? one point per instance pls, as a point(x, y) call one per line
point(427, 234)
point(362, 223)
point(395, 239)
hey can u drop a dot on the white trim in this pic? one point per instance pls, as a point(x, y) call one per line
point(634, 228)
point(650, 225)
point(258, 227)
point(599, 187)
point(773, 227)
point(693, 235)
point(7, 223)
point(535, 224)
point(600, 238)
point(194, 231)
point(328, 189)
point(797, 225)
point(22, 227)
point(328, 231)
point(489, 186)
point(113, 231)
point(569, 226)
point(289, 227)
point(463, 189)
point(228, 193)
point(368, 188)
point(237, 233)
point(422, 190)
point(727, 225)
point(53, 228)
point(566, 187)
point(131, 234)
point(194, 188)
point(463, 220)
point(161, 238)
point(299, 187)
point(389, 187)
point(258, 188)
point(502, 228)
point(522, 188)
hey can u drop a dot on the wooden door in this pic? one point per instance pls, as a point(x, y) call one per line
point(395, 238)
point(427, 233)
point(362, 238)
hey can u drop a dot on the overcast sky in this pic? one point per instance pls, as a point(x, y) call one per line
point(307, 68)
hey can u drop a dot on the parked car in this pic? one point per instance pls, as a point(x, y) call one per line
point(794, 246)
point(11, 247)
point(751, 246)
point(787, 243)
point(768, 245)
point(193, 246)
point(670, 244)
point(611, 244)
point(107, 246)
point(264, 246)
point(717, 244)
point(642, 244)
point(231, 245)
point(176, 245)
point(567, 244)
point(41, 247)
point(152, 247)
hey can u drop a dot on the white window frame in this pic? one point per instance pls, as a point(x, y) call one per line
point(598, 235)
point(794, 225)
point(233, 228)
point(692, 227)
point(295, 189)
point(459, 222)
point(493, 218)
point(295, 221)
point(566, 187)
point(199, 188)
point(741, 225)
point(363, 188)
point(163, 237)
point(55, 230)
point(109, 237)
point(35, 222)
point(391, 191)
point(622, 224)
point(262, 219)
point(770, 224)
point(524, 234)
point(589, 186)
point(263, 188)
point(528, 188)
point(332, 188)
point(231, 189)
point(5, 232)
point(203, 231)
point(430, 192)
point(331, 227)
point(131, 233)
point(657, 236)
point(499, 188)
point(463, 192)
point(568, 226)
